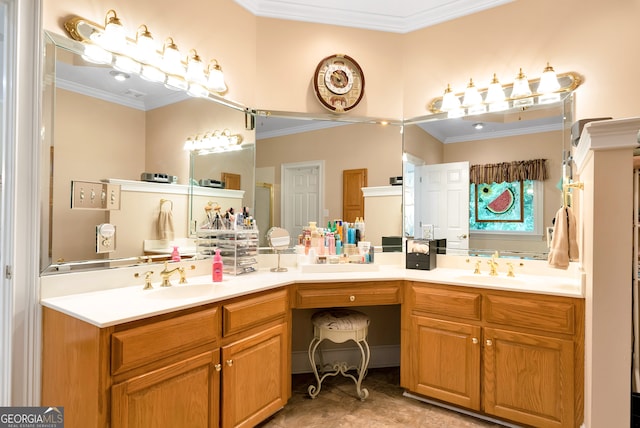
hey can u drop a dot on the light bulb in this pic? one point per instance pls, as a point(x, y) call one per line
point(521, 91)
point(496, 98)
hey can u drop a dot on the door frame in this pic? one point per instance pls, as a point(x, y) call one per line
point(285, 172)
point(20, 331)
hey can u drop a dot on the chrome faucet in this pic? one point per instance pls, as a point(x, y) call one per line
point(166, 273)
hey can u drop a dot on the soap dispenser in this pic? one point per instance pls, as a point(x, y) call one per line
point(217, 267)
point(175, 254)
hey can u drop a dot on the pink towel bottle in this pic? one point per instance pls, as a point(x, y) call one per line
point(217, 267)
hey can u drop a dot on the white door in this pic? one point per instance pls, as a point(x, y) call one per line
point(442, 195)
point(302, 196)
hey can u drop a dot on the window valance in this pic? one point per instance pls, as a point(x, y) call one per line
point(535, 169)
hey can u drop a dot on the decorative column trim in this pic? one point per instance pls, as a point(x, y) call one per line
point(606, 135)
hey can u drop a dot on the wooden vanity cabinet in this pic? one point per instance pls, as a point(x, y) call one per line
point(256, 358)
point(516, 356)
point(225, 364)
point(344, 294)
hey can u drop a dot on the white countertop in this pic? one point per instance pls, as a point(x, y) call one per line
point(124, 303)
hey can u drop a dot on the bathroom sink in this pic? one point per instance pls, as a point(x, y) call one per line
point(181, 291)
point(532, 282)
point(490, 280)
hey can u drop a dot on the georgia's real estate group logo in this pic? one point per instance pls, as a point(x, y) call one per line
point(32, 417)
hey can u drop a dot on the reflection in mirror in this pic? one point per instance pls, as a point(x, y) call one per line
point(441, 200)
point(130, 135)
point(306, 160)
point(278, 239)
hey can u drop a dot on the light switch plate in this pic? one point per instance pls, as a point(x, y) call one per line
point(94, 195)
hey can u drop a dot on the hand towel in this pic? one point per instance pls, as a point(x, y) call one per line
point(165, 222)
point(564, 246)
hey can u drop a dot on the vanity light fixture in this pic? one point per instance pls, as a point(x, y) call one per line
point(214, 142)
point(521, 92)
point(171, 62)
point(215, 81)
point(195, 68)
point(110, 45)
point(114, 37)
point(498, 97)
point(473, 100)
point(145, 45)
point(548, 86)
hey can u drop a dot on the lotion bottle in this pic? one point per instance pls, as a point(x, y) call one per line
point(217, 267)
point(175, 254)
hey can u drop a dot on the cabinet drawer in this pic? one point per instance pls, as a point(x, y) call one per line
point(549, 314)
point(447, 302)
point(141, 345)
point(349, 294)
point(253, 311)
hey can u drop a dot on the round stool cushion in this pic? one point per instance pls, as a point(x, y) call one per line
point(340, 319)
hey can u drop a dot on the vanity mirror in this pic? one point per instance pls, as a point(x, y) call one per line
point(99, 130)
point(441, 150)
point(304, 157)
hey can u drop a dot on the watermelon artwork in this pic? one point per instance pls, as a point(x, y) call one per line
point(502, 203)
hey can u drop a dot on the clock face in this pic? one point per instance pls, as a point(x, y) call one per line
point(338, 83)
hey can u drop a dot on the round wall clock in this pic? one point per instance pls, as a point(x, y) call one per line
point(338, 83)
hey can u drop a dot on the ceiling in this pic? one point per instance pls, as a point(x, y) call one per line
point(396, 16)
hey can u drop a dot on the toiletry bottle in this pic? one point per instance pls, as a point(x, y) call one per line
point(331, 243)
point(175, 254)
point(338, 245)
point(217, 267)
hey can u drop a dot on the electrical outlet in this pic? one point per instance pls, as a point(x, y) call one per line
point(105, 238)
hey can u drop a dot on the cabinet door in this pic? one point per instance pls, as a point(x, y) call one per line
point(255, 377)
point(184, 394)
point(528, 378)
point(445, 360)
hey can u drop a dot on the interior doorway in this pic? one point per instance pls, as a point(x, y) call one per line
point(302, 195)
point(353, 180)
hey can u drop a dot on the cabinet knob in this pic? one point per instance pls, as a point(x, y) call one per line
point(218, 367)
point(352, 298)
point(474, 340)
point(229, 363)
point(489, 342)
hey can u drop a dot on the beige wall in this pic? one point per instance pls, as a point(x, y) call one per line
point(87, 149)
point(383, 217)
point(216, 29)
point(269, 62)
point(375, 147)
point(590, 37)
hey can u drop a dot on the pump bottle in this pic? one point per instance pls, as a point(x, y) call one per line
point(217, 267)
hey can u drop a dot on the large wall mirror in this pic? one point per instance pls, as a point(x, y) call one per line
point(477, 218)
point(290, 170)
point(306, 158)
point(100, 131)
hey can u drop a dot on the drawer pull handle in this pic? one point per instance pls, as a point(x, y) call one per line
point(489, 342)
point(229, 363)
point(218, 367)
point(352, 298)
point(474, 340)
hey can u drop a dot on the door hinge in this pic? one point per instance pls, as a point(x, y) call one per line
point(7, 272)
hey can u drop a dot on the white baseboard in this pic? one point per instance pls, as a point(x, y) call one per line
point(381, 356)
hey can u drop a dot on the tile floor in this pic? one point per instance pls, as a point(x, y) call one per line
point(338, 406)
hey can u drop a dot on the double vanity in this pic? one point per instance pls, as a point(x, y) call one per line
point(207, 355)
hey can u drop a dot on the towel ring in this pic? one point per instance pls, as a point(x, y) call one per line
point(162, 201)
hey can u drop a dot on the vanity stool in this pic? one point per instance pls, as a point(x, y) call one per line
point(340, 325)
